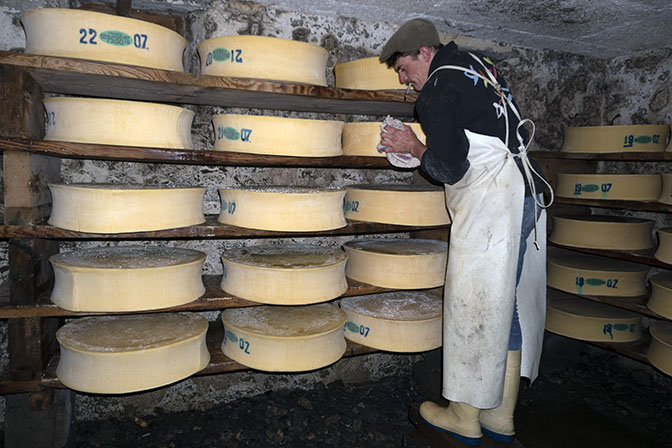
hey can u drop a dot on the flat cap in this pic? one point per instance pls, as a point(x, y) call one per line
point(411, 36)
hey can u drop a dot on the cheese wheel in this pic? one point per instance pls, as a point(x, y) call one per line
point(287, 209)
point(294, 274)
point(592, 275)
point(669, 145)
point(586, 320)
point(284, 339)
point(117, 122)
point(660, 348)
point(397, 263)
point(604, 139)
point(366, 74)
point(402, 321)
point(104, 208)
point(126, 278)
point(602, 232)
point(664, 250)
point(75, 33)
point(361, 139)
point(411, 205)
point(263, 57)
point(666, 189)
point(122, 354)
point(625, 187)
point(660, 301)
point(280, 136)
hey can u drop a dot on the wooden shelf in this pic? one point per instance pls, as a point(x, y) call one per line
point(644, 257)
point(608, 203)
point(213, 299)
point(635, 304)
point(635, 350)
point(103, 79)
point(611, 156)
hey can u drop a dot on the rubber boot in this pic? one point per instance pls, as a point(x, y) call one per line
point(459, 420)
point(497, 423)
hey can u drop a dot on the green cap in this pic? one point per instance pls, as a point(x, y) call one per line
point(411, 36)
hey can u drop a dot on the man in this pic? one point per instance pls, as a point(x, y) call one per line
point(475, 146)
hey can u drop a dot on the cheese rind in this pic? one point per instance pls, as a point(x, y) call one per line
point(115, 279)
point(262, 57)
point(593, 275)
point(602, 232)
point(122, 354)
point(664, 250)
point(278, 275)
point(660, 349)
point(586, 320)
point(118, 122)
point(103, 208)
point(361, 139)
point(288, 209)
point(296, 137)
point(284, 339)
point(402, 321)
point(666, 189)
point(626, 187)
point(412, 205)
point(605, 139)
point(660, 301)
point(366, 74)
point(77, 33)
point(397, 263)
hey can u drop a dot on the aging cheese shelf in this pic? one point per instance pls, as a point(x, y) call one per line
point(625, 205)
point(611, 156)
point(636, 304)
point(644, 257)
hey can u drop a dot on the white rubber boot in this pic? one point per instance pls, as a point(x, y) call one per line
point(459, 419)
point(497, 423)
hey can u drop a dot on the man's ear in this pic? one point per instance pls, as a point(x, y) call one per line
point(425, 53)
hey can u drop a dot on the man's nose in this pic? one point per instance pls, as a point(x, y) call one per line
point(403, 78)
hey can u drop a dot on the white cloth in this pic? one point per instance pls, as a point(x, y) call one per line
point(400, 160)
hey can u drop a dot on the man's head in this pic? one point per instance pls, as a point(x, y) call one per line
point(410, 51)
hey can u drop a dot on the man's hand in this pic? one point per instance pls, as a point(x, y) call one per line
point(405, 141)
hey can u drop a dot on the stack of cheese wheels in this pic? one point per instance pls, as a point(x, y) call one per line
point(103, 208)
point(602, 232)
point(666, 189)
point(626, 187)
point(402, 321)
point(604, 139)
point(126, 278)
point(284, 339)
point(660, 349)
point(361, 139)
point(597, 276)
point(366, 74)
point(660, 301)
point(280, 136)
point(411, 205)
point(397, 263)
point(664, 251)
point(295, 274)
point(103, 37)
point(122, 354)
point(117, 122)
point(262, 57)
point(279, 208)
point(583, 319)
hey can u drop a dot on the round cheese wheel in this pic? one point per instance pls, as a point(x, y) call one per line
point(603, 139)
point(411, 205)
point(126, 278)
point(660, 301)
point(294, 274)
point(361, 139)
point(75, 33)
point(595, 276)
point(263, 57)
point(103, 208)
point(288, 209)
point(258, 134)
point(602, 232)
point(586, 320)
point(122, 354)
point(660, 348)
point(366, 74)
point(117, 122)
point(666, 189)
point(397, 263)
point(626, 187)
point(664, 250)
point(284, 339)
point(669, 145)
point(402, 321)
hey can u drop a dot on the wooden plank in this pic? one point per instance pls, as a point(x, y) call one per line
point(635, 304)
point(634, 350)
point(21, 104)
point(643, 256)
point(31, 343)
point(610, 203)
point(616, 156)
point(184, 156)
point(100, 79)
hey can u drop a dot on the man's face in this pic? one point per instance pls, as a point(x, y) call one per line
point(413, 69)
